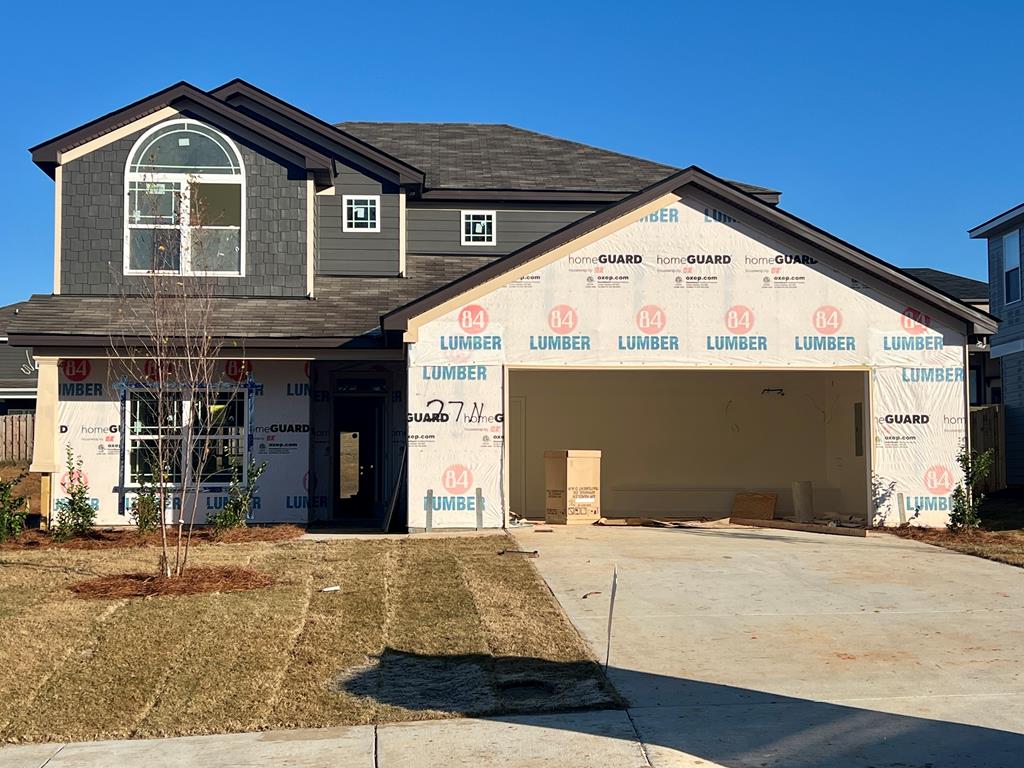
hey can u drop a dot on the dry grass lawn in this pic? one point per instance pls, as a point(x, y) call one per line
point(418, 629)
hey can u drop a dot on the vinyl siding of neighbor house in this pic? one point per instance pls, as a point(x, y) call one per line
point(1013, 399)
point(357, 253)
point(92, 232)
point(1011, 318)
point(432, 230)
point(12, 362)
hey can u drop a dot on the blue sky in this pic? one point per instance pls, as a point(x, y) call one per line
point(893, 125)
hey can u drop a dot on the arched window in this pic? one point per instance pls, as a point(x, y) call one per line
point(185, 202)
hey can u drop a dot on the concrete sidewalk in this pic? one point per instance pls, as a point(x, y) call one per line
point(579, 740)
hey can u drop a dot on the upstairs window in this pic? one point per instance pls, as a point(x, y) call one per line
point(1011, 267)
point(361, 212)
point(185, 202)
point(478, 228)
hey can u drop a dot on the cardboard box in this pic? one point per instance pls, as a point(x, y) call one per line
point(572, 481)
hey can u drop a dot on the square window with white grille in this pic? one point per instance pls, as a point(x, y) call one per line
point(478, 228)
point(362, 213)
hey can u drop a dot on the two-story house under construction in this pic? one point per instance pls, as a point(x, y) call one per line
point(409, 315)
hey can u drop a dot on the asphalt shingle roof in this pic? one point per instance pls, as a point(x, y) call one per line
point(489, 156)
point(345, 307)
point(957, 286)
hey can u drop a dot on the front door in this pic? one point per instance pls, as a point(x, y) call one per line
point(358, 439)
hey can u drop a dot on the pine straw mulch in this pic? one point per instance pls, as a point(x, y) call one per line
point(1001, 546)
point(195, 580)
point(130, 537)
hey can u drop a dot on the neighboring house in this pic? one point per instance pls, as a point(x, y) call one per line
point(17, 369)
point(1003, 233)
point(417, 312)
point(984, 377)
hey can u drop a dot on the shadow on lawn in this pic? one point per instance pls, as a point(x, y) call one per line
point(733, 727)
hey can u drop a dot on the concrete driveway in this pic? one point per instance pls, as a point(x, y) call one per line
point(751, 647)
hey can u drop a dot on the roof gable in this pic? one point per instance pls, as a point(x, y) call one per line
point(237, 91)
point(614, 217)
point(182, 97)
point(1014, 215)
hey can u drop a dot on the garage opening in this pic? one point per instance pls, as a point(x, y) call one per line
point(681, 444)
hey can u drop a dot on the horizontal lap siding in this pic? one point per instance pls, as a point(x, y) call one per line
point(356, 253)
point(438, 230)
point(1013, 399)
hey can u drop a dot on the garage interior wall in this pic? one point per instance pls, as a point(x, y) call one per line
point(681, 443)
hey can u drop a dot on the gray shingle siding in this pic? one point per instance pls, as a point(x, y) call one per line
point(357, 253)
point(92, 218)
point(439, 230)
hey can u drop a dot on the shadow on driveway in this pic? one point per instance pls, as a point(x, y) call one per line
point(733, 727)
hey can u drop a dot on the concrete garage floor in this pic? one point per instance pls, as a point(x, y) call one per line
point(746, 647)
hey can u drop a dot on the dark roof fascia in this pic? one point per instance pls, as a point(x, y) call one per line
point(518, 195)
point(979, 322)
point(406, 173)
point(47, 154)
point(103, 341)
point(997, 222)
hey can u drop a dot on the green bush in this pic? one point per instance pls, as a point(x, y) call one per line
point(75, 514)
point(145, 511)
point(966, 498)
point(12, 509)
point(239, 502)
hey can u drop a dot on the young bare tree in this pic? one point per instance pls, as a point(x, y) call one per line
point(168, 354)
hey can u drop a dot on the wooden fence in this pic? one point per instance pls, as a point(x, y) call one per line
point(16, 437)
point(988, 431)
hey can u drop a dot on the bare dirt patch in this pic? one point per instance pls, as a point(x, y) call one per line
point(129, 537)
point(193, 581)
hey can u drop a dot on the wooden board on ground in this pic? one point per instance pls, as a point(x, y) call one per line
point(754, 506)
point(788, 525)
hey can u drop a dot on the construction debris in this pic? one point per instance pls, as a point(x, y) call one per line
point(524, 552)
point(787, 525)
point(754, 506)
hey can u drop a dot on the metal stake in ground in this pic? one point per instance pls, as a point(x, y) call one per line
point(611, 611)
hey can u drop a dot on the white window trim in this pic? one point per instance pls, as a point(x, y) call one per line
point(344, 213)
point(494, 228)
point(1006, 271)
point(186, 430)
point(185, 179)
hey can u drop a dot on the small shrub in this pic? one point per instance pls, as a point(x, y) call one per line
point(145, 511)
point(12, 509)
point(239, 502)
point(75, 514)
point(966, 498)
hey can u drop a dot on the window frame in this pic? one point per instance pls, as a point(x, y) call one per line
point(1015, 234)
point(346, 227)
point(494, 228)
point(186, 420)
point(185, 181)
